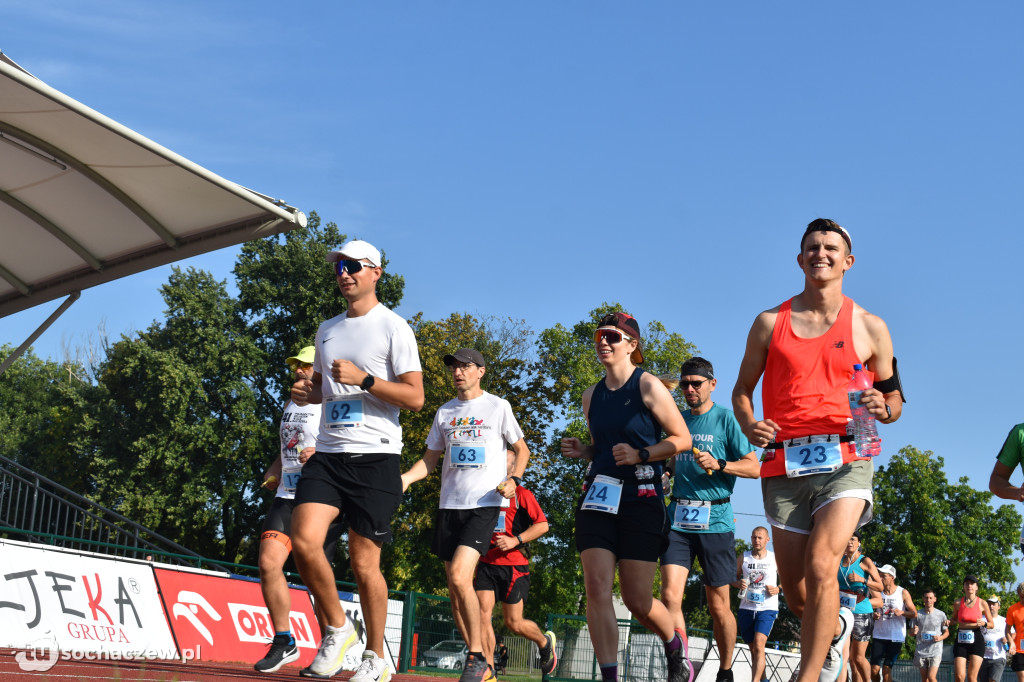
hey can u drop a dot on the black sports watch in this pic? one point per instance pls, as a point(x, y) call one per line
point(644, 455)
point(721, 464)
point(515, 479)
point(367, 382)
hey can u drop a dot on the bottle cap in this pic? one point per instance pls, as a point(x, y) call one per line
point(858, 367)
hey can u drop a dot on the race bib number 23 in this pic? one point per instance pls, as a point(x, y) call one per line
point(812, 455)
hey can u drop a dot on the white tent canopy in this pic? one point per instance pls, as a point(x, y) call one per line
point(85, 200)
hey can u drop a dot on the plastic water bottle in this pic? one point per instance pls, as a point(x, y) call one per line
point(865, 429)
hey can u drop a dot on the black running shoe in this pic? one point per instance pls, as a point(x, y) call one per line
point(548, 656)
point(477, 670)
point(677, 671)
point(281, 652)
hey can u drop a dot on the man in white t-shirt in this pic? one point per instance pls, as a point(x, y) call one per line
point(994, 660)
point(366, 369)
point(471, 433)
point(757, 578)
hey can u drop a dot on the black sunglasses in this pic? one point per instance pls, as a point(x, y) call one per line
point(692, 384)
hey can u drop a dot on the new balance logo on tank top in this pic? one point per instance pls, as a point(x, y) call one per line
point(805, 382)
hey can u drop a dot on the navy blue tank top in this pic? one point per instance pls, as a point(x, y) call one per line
point(620, 416)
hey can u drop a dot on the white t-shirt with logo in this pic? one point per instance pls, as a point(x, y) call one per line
point(473, 436)
point(759, 573)
point(299, 429)
point(381, 343)
point(891, 627)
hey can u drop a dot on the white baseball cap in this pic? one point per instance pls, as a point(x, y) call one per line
point(356, 250)
point(888, 568)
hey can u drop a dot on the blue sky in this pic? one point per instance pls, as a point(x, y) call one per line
point(535, 159)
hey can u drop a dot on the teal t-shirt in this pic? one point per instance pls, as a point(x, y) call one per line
point(716, 431)
point(1012, 453)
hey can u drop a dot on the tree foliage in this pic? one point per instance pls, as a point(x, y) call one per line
point(45, 418)
point(935, 532)
point(189, 445)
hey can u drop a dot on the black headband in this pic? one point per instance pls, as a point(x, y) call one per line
point(689, 369)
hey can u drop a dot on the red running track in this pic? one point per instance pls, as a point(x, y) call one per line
point(159, 671)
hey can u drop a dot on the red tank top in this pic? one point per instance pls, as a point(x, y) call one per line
point(805, 382)
point(968, 614)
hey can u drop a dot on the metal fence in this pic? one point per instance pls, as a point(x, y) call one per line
point(641, 654)
point(34, 508)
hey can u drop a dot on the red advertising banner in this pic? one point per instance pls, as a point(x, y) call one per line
point(227, 618)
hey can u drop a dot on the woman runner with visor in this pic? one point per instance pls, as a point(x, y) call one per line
point(621, 519)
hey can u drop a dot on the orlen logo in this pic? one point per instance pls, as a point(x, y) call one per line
point(253, 624)
point(188, 607)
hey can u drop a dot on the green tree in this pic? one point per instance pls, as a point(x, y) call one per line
point(181, 444)
point(567, 358)
point(935, 532)
point(45, 417)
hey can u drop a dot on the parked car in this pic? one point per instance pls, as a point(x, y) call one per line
point(449, 654)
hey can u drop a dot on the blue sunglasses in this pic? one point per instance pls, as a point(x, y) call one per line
point(350, 266)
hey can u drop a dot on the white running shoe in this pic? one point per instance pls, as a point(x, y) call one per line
point(373, 668)
point(835, 661)
point(331, 654)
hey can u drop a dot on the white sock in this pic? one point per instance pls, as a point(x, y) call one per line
point(344, 629)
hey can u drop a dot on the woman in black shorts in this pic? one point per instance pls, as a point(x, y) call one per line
point(621, 519)
point(971, 615)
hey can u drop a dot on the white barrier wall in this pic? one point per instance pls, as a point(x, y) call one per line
point(79, 602)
